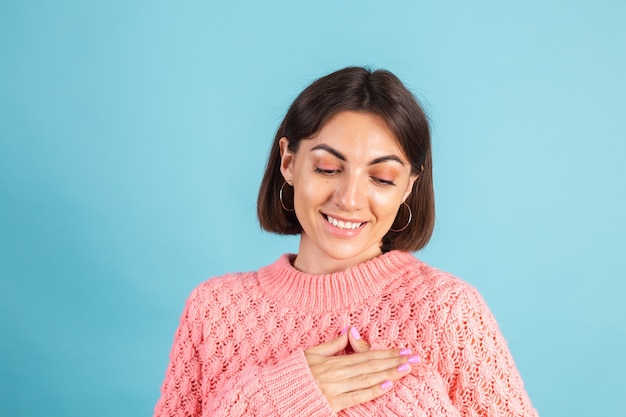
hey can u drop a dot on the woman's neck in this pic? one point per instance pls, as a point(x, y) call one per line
point(313, 260)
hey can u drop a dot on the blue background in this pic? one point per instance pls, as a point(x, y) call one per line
point(133, 137)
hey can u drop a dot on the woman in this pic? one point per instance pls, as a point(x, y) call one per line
point(353, 324)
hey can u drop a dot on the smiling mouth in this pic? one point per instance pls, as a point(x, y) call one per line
point(340, 224)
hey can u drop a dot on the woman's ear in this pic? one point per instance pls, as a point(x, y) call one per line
point(286, 160)
point(409, 187)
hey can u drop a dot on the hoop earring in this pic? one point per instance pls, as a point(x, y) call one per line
point(408, 222)
point(280, 196)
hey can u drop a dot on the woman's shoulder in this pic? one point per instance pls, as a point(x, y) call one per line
point(219, 298)
point(228, 288)
point(419, 272)
point(220, 286)
point(440, 286)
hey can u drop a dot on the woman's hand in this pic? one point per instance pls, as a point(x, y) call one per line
point(348, 380)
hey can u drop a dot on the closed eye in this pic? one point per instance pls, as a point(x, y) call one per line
point(325, 171)
point(383, 182)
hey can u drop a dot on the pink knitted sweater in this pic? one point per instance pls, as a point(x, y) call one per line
point(239, 348)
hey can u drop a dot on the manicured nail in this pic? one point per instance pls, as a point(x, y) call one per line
point(404, 367)
point(386, 385)
point(355, 333)
point(414, 359)
point(405, 352)
point(345, 329)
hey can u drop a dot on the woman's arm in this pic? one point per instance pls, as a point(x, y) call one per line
point(283, 389)
point(314, 382)
point(181, 389)
point(484, 380)
point(473, 374)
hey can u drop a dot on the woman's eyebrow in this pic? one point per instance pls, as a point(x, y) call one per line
point(387, 158)
point(329, 149)
point(341, 156)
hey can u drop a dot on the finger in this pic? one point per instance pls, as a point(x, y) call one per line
point(372, 355)
point(332, 347)
point(363, 358)
point(350, 399)
point(370, 367)
point(358, 344)
point(367, 387)
point(340, 374)
point(390, 371)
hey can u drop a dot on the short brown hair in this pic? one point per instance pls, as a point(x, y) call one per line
point(357, 89)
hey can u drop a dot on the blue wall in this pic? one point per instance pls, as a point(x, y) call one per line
point(133, 137)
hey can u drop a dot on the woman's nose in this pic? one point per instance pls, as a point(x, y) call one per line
point(350, 193)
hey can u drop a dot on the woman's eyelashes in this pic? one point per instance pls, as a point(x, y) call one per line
point(324, 171)
point(377, 180)
point(386, 183)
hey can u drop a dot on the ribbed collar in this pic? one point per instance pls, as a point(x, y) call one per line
point(290, 287)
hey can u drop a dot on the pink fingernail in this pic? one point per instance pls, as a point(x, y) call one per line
point(386, 385)
point(405, 352)
point(355, 333)
point(414, 359)
point(345, 329)
point(404, 367)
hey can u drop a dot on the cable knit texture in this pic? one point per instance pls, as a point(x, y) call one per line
point(239, 348)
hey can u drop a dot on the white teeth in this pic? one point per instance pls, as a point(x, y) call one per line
point(341, 224)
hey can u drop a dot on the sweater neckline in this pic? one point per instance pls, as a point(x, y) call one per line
point(324, 292)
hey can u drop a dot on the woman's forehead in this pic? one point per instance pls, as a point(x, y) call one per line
point(355, 135)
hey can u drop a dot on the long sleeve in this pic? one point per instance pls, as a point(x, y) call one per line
point(285, 388)
point(471, 373)
point(467, 371)
point(181, 391)
point(485, 381)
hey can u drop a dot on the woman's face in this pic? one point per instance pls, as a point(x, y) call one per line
point(349, 182)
